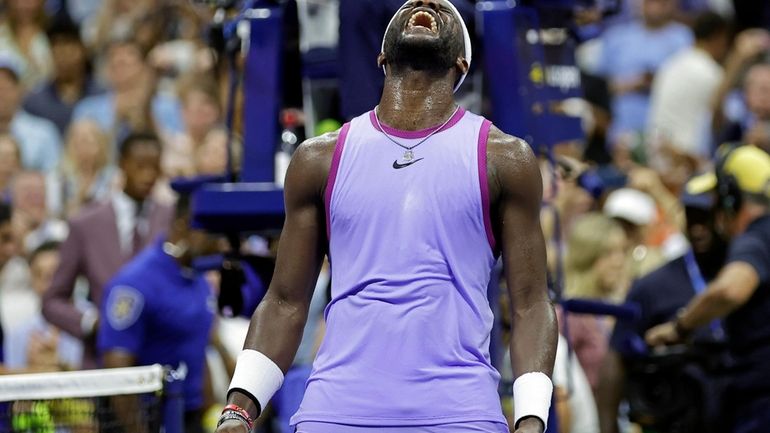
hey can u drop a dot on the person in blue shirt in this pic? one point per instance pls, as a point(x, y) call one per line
point(631, 54)
point(55, 99)
point(132, 102)
point(38, 138)
point(157, 309)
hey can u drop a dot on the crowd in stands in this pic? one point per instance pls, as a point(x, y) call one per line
point(104, 102)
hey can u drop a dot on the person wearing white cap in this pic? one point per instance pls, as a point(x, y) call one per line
point(636, 211)
point(414, 202)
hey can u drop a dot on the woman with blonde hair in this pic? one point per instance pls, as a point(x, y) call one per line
point(86, 172)
point(596, 267)
point(23, 34)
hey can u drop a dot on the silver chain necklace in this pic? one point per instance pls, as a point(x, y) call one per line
point(409, 150)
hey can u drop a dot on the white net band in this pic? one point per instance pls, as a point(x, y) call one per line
point(80, 384)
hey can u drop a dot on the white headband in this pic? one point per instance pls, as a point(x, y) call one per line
point(466, 38)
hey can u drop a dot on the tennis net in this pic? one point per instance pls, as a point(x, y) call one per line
point(121, 400)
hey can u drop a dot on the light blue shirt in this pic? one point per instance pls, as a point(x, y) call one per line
point(166, 111)
point(39, 140)
point(629, 51)
point(70, 349)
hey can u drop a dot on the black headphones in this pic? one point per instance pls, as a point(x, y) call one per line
point(729, 194)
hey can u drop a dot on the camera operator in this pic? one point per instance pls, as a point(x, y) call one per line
point(740, 293)
point(659, 296)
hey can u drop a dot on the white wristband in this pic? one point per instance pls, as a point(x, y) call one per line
point(257, 376)
point(532, 397)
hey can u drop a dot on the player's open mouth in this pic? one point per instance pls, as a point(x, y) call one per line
point(422, 19)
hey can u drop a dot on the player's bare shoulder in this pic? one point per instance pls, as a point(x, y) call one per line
point(512, 166)
point(311, 162)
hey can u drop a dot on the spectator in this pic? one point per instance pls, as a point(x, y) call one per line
point(144, 322)
point(104, 237)
point(684, 90)
point(23, 34)
point(32, 344)
point(660, 295)
point(85, 173)
point(38, 138)
point(32, 222)
point(575, 404)
point(8, 278)
point(211, 156)
point(732, 119)
point(201, 112)
point(636, 213)
point(740, 293)
point(596, 267)
point(116, 19)
point(754, 128)
point(132, 103)
point(72, 81)
point(631, 55)
point(10, 164)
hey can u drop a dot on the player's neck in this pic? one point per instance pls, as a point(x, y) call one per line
point(413, 101)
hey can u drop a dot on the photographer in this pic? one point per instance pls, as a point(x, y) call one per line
point(740, 293)
point(659, 296)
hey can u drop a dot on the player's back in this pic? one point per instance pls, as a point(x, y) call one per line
point(411, 250)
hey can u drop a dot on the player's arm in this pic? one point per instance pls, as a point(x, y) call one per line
point(516, 193)
point(277, 324)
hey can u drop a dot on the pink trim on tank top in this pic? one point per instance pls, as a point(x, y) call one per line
point(484, 181)
point(338, 148)
point(400, 133)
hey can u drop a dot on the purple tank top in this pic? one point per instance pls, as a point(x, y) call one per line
point(411, 249)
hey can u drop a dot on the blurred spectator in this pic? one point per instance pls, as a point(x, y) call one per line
point(23, 34)
point(755, 128)
point(211, 156)
point(143, 321)
point(669, 214)
point(596, 267)
point(740, 293)
point(39, 139)
point(636, 213)
point(10, 164)
point(33, 225)
point(85, 173)
point(36, 343)
point(732, 119)
point(132, 103)
point(104, 237)
point(81, 10)
point(115, 20)
point(72, 81)
point(8, 278)
point(575, 404)
point(660, 295)
point(684, 90)
point(201, 112)
point(631, 55)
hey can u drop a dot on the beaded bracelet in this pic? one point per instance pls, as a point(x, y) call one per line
point(234, 410)
point(232, 415)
